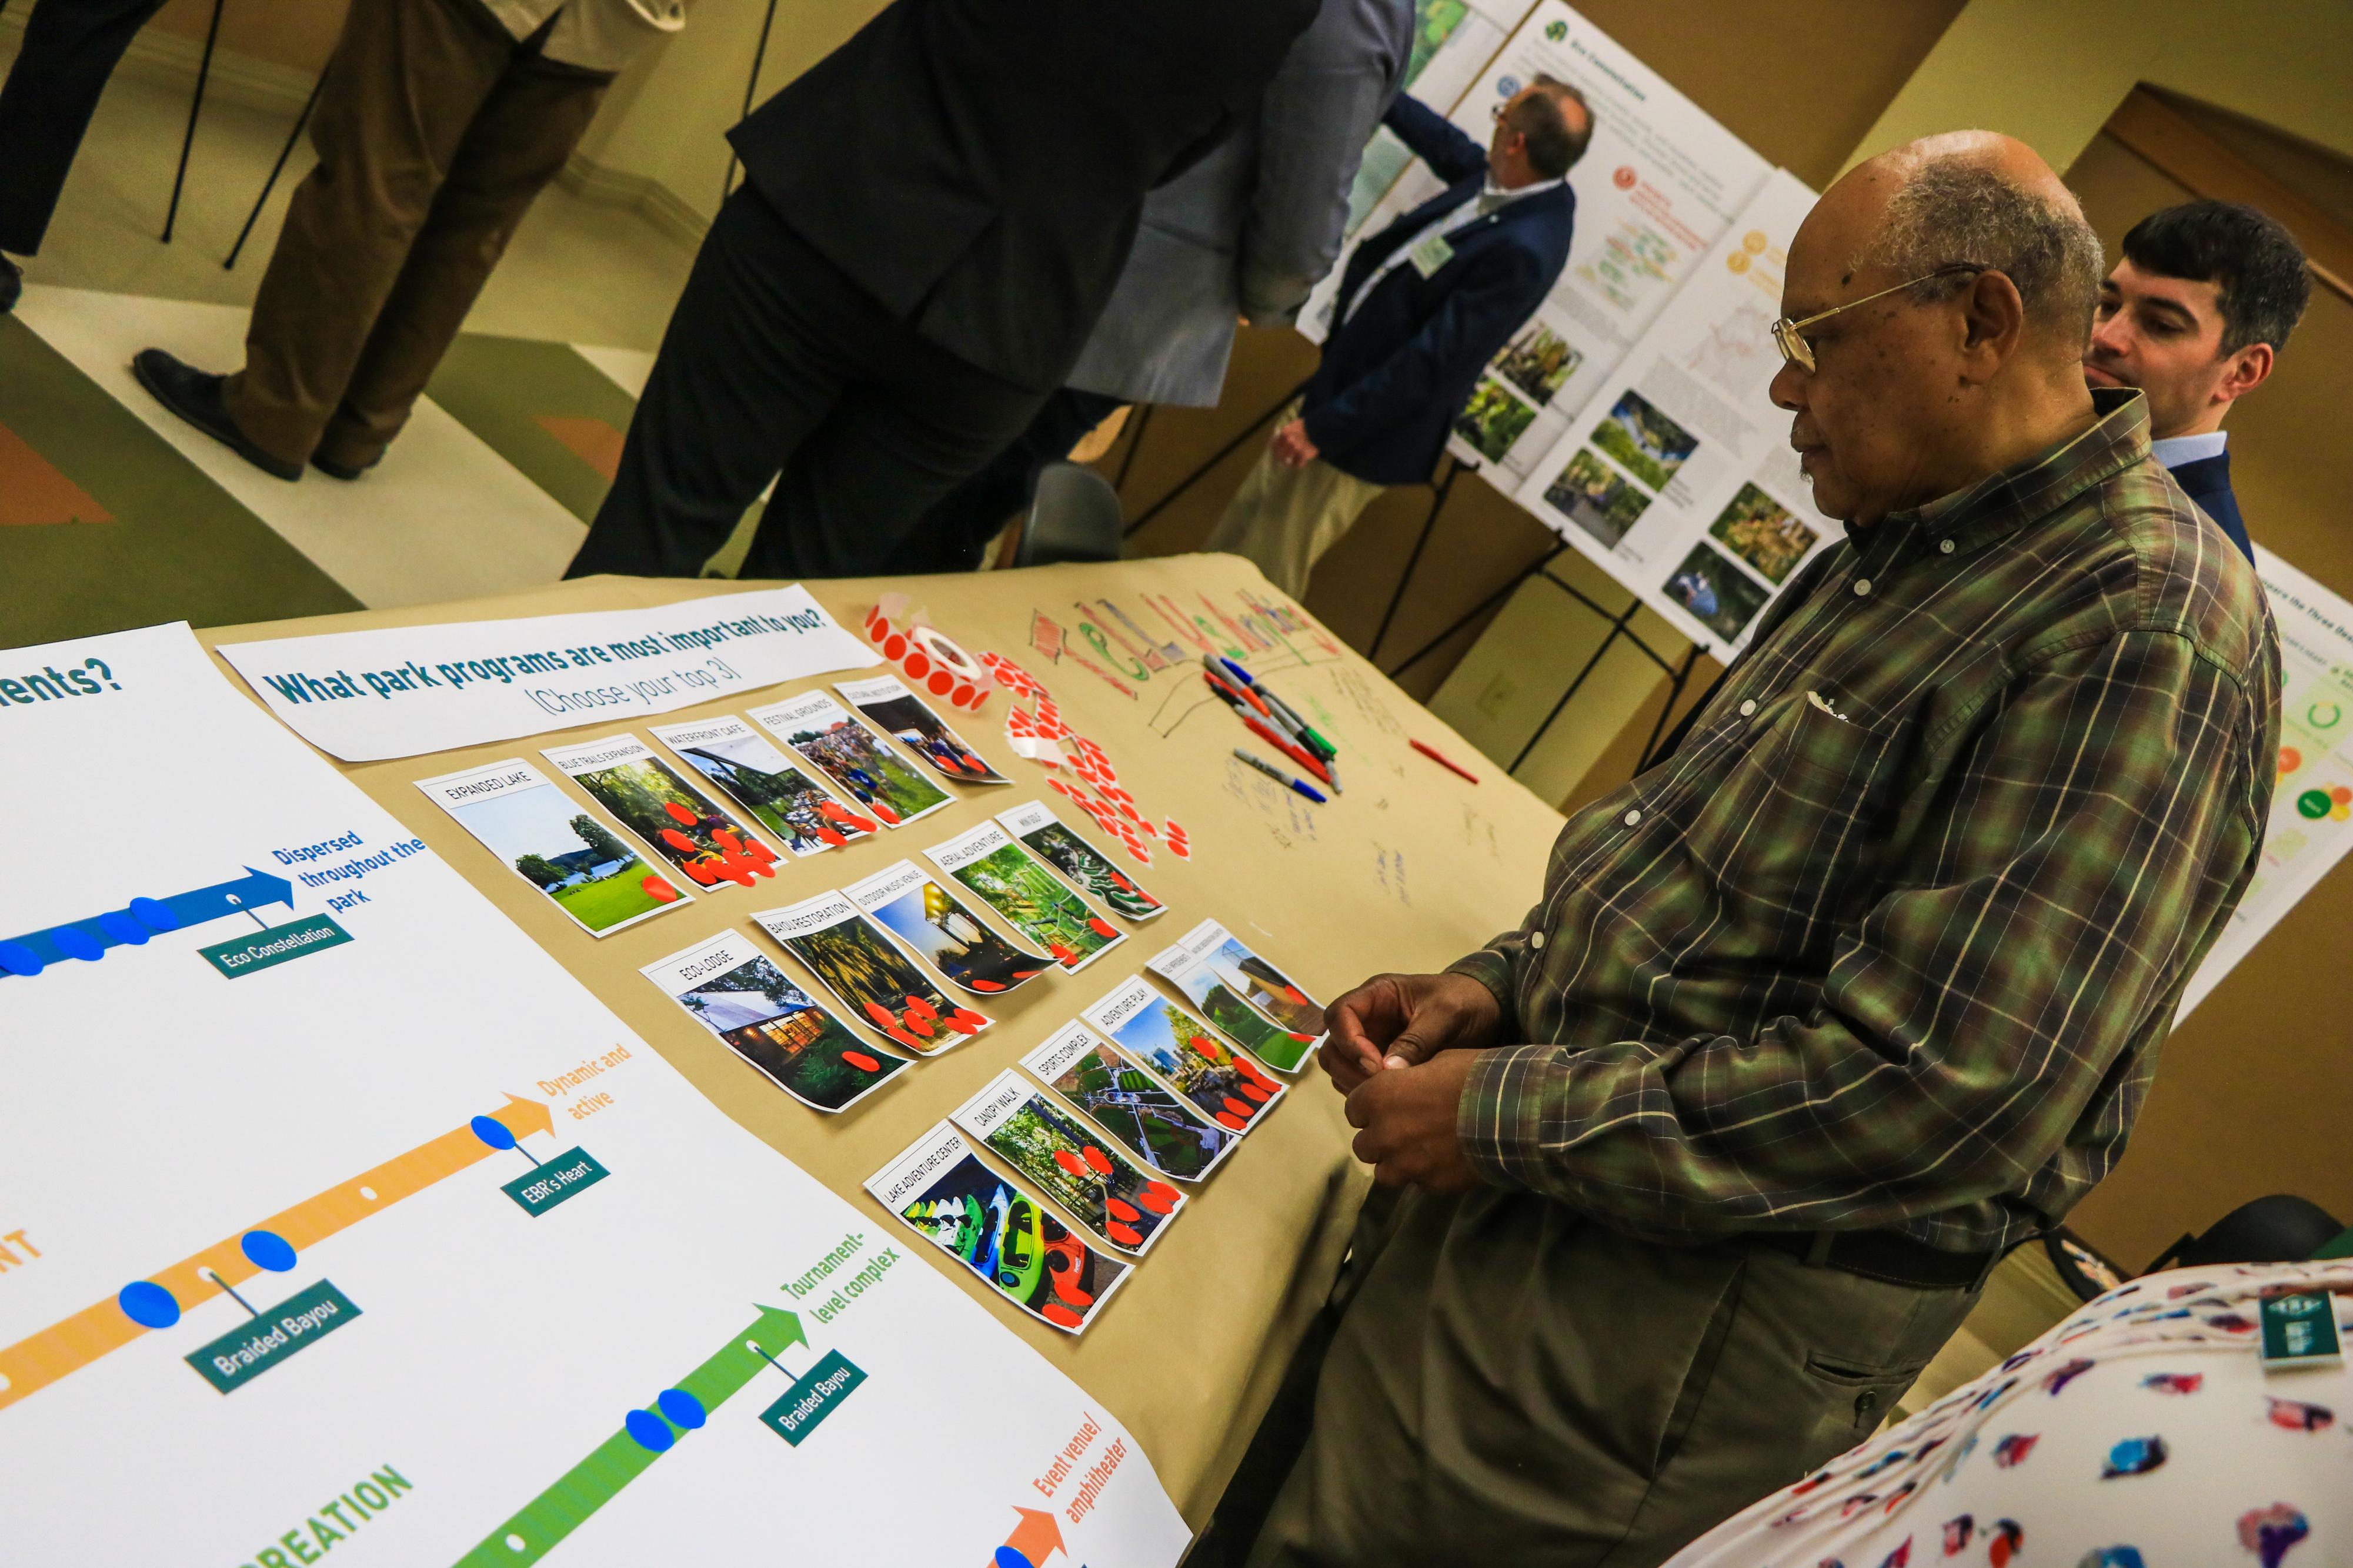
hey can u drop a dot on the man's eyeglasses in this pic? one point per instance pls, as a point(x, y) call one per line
point(1797, 352)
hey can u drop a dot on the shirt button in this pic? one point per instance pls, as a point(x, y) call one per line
point(1945, 545)
point(1747, 708)
point(1633, 817)
point(1863, 587)
point(1536, 940)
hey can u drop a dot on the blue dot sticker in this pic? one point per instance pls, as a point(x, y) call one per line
point(148, 1304)
point(18, 959)
point(1006, 1557)
point(494, 1131)
point(267, 1250)
point(683, 1408)
point(119, 925)
point(650, 1431)
point(76, 942)
point(155, 915)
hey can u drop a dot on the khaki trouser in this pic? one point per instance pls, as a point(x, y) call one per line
point(435, 131)
point(1512, 1384)
point(1283, 518)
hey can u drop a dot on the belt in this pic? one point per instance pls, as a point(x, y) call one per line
point(1884, 1256)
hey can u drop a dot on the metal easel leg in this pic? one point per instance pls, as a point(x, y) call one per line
point(1142, 423)
point(751, 90)
point(196, 106)
point(1443, 489)
point(275, 170)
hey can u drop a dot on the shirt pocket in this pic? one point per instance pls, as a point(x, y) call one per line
point(1783, 829)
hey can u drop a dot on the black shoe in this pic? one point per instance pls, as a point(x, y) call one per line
point(12, 284)
point(346, 472)
point(196, 397)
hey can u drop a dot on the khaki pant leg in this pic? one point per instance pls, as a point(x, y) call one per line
point(404, 83)
point(519, 142)
point(1283, 518)
point(1515, 1384)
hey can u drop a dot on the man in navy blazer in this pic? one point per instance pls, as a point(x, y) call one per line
point(1423, 306)
point(2195, 315)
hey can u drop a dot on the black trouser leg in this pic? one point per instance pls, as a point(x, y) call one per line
point(957, 529)
point(70, 48)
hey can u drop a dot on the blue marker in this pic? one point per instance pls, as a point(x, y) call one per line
point(1279, 777)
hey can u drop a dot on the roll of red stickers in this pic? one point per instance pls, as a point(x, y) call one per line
point(931, 662)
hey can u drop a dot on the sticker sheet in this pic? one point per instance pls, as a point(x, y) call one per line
point(1079, 862)
point(583, 867)
point(859, 763)
point(761, 779)
point(879, 985)
point(1074, 1165)
point(941, 1189)
point(907, 718)
point(676, 820)
point(1008, 879)
point(736, 991)
point(1248, 1000)
point(1143, 1115)
point(1226, 1086)
point(928, 920)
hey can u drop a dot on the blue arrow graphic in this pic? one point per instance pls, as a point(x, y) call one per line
point(132, 926)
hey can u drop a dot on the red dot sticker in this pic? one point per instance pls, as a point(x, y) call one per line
point(658, 890)
point(1125, 1234)
point(1069, 1163)
point(1119, 1210)
point(1235, 1106)
point(1158, 1196)
point(918, 663)
point(894, 646)
point(1096, 1158)
point(1228, 1119)
point(678, 841)
point(678, 813)
point(1055, 1312)
point(1253, 1092)
point(941, 683)
point(964, 1021)
point(861, 1061)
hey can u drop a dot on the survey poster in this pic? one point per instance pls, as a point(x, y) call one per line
point(735, 991)
point(928, 920)
point(1080, 863)
point(353, 1229)
point(669, 815)
point(859, 763)
point(879, 985)
point(401, 691)
point(898, 712)
point(1149, 1119)
point(1073, 1164)
point(2311, 825)
point(1223, 1083)
point(1658, 186)
point(1244, 997)
point(578, 863)
point(1679, 479)
point(942, 1191)
point(1008, 879)
point(1452, 42)
point(761, 779)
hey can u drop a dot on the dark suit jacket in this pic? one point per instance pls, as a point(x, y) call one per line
point(2208, 482)
point(1397, 373)
point(979, 168)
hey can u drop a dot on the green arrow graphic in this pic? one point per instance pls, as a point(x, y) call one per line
point(620, 1459)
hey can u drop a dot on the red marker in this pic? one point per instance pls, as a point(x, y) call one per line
point(1450, 767)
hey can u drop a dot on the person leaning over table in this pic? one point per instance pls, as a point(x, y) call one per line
point(2196, 315)
point(1860, 985)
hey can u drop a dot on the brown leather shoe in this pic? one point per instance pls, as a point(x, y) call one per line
point(197, 397)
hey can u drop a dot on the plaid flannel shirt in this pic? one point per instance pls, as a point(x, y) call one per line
point(1893, 937)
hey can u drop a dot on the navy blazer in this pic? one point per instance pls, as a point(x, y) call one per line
point(1397, 373)
point(2208, 482)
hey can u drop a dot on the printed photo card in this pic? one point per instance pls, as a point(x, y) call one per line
point(1005, 876)
point(880, 985)
point(907, 718)
point(1244, 996)
point(761, 779)
point(675, 819)
point(1073, 1164)
point(859, 761)
point(1159, 1127)
point(1224, 1084)
point(735, 991)
point(1080, 864)
point(929, 921)
point(547, 839)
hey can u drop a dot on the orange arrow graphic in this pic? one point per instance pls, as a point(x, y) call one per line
point(1036, 1536)
point(41, 1358)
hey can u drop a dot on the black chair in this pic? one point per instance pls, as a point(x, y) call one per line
point(1075, 517)
point(2281, 1228)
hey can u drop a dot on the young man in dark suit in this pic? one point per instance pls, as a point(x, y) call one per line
point(1423, 306)
point(2195, 315)
point(933, 219)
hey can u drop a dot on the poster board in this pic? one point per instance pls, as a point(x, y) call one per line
point(1657, 187)
point(2311, 825)
point(1678, 478)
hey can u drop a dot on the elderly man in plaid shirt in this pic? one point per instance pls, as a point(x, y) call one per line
point(1683, 1181)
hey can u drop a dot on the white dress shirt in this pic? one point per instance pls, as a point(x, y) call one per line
point(2173, 451)
point(1492, 199)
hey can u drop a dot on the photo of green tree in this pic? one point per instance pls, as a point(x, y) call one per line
point(1493, 418)
point(679, 822)
point(780, 1029)
point(881, 985)
point(582, 866)
point(1017, 886)
point(1596, 497)
point(1076, 859)
point(1761, 531)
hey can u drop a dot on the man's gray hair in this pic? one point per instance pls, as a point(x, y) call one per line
point(1957, 209)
